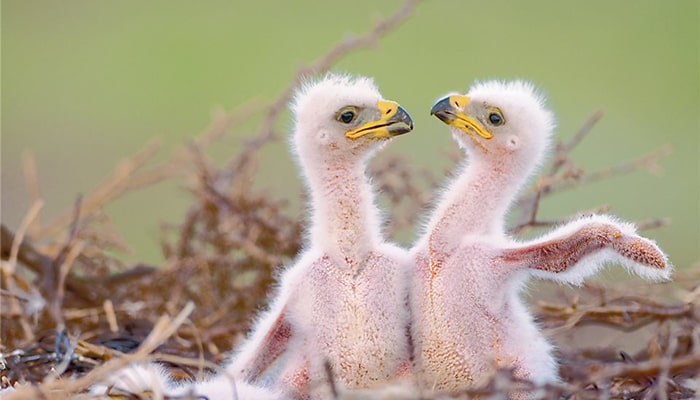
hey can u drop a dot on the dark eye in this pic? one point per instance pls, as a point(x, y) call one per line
point(347, 115)
point(495, 119)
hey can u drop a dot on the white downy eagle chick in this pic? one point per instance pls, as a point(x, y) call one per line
point(468, 319)
point(341, 309)
point(340, 312)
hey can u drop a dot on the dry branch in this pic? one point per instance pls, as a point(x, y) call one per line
point(562, 175)
point(320, 65)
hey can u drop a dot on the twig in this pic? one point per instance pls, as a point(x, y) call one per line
point(663, 375)
point(19, 236)
point(655, 223)
point(563, 149)
point(164, 328)
point(124, 177)
point(648, 160)
point(619, 317)
point(222, 122)
point(111, 316)
point(267, 132)
point(53, 278)
point(56, 304)
point(32, 184)
point(37, 262)
point(638, 306)
point(561, 156)
point(64, 360)
point(529, 203)
point(646, 368)
point(526, 226)
point(8, 269)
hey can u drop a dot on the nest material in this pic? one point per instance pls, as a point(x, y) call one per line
point(128, 307)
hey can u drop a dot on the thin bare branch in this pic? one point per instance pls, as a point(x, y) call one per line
point(19, 236)
point(648, 161)
point(125, 176)
point(31, 182)
point(38, 262)
point(530, 204)
point(655, 223)
point(320, 65)
point(566, 147)
point(553, 183)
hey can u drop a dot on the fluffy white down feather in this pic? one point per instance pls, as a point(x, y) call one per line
point(467, 315)
point(153, 379)
point(344, 298)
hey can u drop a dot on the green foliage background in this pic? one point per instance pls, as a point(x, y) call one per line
point(86, 83)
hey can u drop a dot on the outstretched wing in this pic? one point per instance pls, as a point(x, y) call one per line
point(581, 248)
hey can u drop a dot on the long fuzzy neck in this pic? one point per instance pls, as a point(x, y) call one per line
point(477, 201)
point(344, 219)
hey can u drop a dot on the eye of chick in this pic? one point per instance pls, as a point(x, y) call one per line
point(495, 117)
point(347, 115)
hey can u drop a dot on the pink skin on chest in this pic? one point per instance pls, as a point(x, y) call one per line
point(355, 320)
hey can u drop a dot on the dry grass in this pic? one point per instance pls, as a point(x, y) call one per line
point(72, 313)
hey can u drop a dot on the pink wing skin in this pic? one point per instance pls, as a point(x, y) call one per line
point(559, 254)
point(296, 382)
point(273, 345)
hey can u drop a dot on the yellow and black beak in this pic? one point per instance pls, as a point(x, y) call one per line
point(393, 121)
point(450, 110)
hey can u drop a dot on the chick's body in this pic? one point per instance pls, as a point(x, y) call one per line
point(341, 309)
point(356, 318)
point(467, 316)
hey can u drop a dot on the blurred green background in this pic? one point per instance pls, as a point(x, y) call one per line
point(87, 83)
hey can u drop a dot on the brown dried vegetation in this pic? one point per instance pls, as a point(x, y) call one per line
point(71, 309)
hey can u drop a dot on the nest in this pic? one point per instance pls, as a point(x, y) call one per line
point(72, 312)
